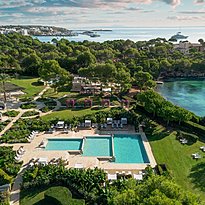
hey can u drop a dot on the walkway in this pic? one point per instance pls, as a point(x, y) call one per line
point(15, 192)
point(12, 122)
point(41, 93)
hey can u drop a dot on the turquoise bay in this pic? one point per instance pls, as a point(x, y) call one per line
point(189, 94)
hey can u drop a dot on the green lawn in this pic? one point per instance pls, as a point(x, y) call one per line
point(36, 196)
point(70, 113)
point(187, 172)
point(50, 93)
point(30, 84)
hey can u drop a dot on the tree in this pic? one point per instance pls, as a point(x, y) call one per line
point(85, 59)
point(51, 71)
point(141, 78)
point(3, 79)
point(31, 63)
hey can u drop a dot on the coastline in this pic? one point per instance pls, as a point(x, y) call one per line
point(172, 79)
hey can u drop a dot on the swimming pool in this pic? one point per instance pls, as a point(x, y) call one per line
point(64, 144)
point(98, 146)
point(129, 149)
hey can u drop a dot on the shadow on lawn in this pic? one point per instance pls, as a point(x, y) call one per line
point(197, 176)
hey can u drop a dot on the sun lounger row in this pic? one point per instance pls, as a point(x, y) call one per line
point(32, 136)
point(124, 174)
point(44, 161)
point(19, 153)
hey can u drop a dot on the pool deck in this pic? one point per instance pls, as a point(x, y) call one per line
point(34, 151)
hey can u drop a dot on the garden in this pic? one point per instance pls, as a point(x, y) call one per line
point(21, 129)
point(30, 113)
point(168, 150)
point(32, 85)
point(42, 183)
point(4, 124)
point(11, 113)
point(8, 169)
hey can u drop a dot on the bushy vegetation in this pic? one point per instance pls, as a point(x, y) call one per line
point(28, 105)
point(61, 196)
point(22, 128)
point(4, 124)
point(117, 61)
point(30, 113)
point(11, 113)
point(8, 166)
point(88, 184)
point(100, 117)
point(155, 104)
point(8, 170)
point(85, 184)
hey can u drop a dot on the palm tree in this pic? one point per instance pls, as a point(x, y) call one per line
point(3, 79)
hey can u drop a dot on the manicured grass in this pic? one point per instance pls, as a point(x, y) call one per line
point(50, 93)
point(30, 84)
point(70, 113)
point(36, 197)
point(187, 172)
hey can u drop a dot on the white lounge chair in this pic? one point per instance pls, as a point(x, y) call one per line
point(196, 156)
point(112, 176)
point(17, 158)
point(138, 176)
point(184, 141)
point(79, 166)
point(43, 161)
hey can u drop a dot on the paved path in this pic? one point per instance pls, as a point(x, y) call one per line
point(12, 122)
point(15, 192)
point(41, 93)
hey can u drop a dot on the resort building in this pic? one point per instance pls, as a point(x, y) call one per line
point(185, 46)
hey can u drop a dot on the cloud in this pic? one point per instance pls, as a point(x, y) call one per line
point(82, 3)
point(184, 18)
point(199, 1)
point(192, 12)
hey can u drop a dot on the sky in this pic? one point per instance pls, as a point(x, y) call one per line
point(76, 14)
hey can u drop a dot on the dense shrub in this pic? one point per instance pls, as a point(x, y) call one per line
point(30, 113)
point(61, 196)
point(46, 109)
point(28, 105)
point(195, 128)
point(4, 124)
point(11, 113)
point(4, 178)
point(7, 161)
point(100, 117)
point(86, 184)
point(22, 128)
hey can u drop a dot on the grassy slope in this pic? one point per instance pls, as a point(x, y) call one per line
point(178, 159)
point(29, 84)
point(36, 197)
point(69, 114)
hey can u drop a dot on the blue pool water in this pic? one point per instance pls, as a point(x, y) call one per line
point(129, 149)
point(64, 144)
point(98, 146)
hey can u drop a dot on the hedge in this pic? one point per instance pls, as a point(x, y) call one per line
point(61, 196)
point(194, 127)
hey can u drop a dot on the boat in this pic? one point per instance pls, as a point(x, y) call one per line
point(159, 82)
point(179, 36)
